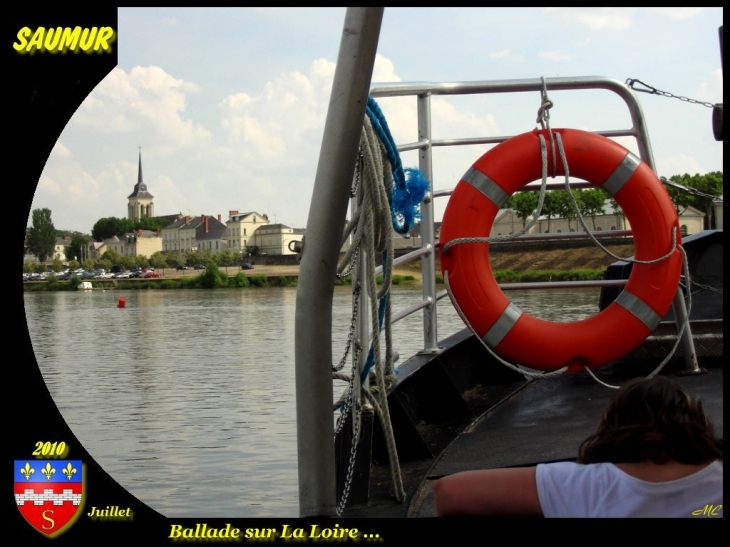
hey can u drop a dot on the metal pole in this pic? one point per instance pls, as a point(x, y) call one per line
point(428, 262)
point(688, 345)
point(327, 213)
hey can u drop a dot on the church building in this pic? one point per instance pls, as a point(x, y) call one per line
point(140, 203)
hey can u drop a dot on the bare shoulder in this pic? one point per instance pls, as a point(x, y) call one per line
point(510, 491)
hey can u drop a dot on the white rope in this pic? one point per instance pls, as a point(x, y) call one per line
point(372, 232)
point(509, 365)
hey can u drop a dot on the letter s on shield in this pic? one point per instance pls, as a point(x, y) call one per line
point(49, 493)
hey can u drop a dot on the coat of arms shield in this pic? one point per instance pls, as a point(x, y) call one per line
point(49, 493)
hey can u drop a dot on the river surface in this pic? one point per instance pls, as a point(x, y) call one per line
point(187, 397)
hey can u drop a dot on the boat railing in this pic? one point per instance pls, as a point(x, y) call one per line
point(425, 145)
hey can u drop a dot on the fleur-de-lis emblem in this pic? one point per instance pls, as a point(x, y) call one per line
point(69, 471)
point(48, 471)
point(27, 471)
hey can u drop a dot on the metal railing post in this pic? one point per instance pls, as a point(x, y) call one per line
point(428, 261)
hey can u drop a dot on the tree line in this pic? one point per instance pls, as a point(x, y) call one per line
point(698, 191)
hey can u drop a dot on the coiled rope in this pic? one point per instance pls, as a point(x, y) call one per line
point(388, 200)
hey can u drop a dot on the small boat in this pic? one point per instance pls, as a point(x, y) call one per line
point(456, 405)
point(85, 286)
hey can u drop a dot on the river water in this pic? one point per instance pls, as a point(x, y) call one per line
point(187, 397)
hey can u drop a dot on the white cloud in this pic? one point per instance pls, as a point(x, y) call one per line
point(555, 56)
point(507, 55)
point(711, 91)
point(595, 18)
point(148, 101)
point(677, 13)
point(678, 164)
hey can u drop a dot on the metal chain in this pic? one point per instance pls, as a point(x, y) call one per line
point(351, 334)
point(350, 266)
point(654, 91)
point(351, 464)
point(353, 193)
point(358, 175)
point(692, 191)
point(348, 400)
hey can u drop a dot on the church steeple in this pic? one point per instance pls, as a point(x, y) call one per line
point(140, 200)
point(139, 175)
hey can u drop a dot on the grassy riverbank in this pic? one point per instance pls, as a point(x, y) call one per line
point(569, 264)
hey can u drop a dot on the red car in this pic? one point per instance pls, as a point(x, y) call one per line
point(152, 274)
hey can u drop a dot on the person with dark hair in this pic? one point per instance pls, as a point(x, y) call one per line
point(654, 454)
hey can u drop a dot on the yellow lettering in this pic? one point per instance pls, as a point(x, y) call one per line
point(49, 519)
point(37, 40)
point(22, 35)
point(87, 38)
point(175, 532)
point(715, 510)
point(69, 39)
point(106, 34)
point(49, 43)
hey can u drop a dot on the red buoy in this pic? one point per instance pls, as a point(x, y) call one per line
point(122, 303)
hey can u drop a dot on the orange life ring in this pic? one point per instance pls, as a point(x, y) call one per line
point(525, 339)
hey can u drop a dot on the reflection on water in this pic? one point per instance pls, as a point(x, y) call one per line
point(187, 397)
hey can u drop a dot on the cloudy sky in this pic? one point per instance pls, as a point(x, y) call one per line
point(228, 105)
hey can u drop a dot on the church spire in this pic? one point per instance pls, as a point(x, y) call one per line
point(139, 176)
point(140, 189)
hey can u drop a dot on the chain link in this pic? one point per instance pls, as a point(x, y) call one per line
point(351, 334)
point(654, 91)
point(357, 413)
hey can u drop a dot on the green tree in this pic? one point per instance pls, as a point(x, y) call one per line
point(213, 278)
point(158, 261)
point(42, 235)
point(88, 265)
point(592, 203)
point(524, 204)
point(564, 206)
point(142, 261)
point(698, 191)
point(109, 227)
point(112, 256)
point(151, 224)
point(551, 206)
point(126, 262)
point(57, 265)
point(174, 259)
point(226, 258)
point(78, 244)
point(619, 212)
point(104, 264)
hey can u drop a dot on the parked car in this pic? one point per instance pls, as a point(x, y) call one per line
point(122, 275)
point(182, 267)
point(136, 273)
point(246, 266)
point(152, 274)
point(199, 266)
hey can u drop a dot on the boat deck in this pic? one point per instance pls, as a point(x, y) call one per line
point(541, 420)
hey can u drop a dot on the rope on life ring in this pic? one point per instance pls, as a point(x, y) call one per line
point(525, 339)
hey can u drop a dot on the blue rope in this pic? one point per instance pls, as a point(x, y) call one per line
point(409, 185)
point(371, 354)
